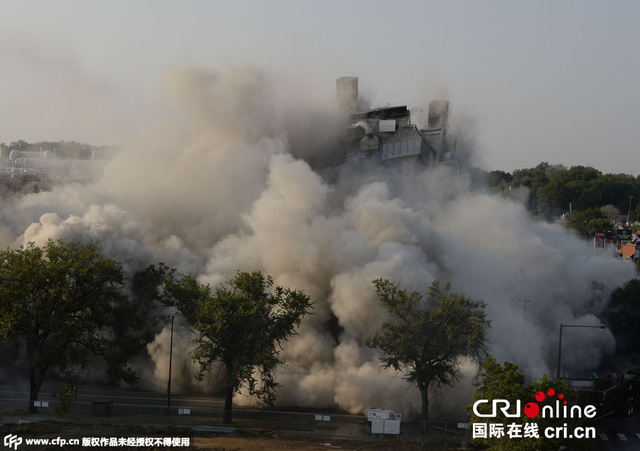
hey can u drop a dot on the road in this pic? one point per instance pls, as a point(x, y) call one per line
point(613, 433)
point(119, 397)
point(619, 434)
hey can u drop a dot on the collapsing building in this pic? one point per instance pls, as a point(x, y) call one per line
point(386, 134)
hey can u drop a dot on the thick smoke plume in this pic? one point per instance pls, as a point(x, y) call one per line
point(245, 177)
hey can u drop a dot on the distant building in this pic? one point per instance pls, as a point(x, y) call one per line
point(630, 252)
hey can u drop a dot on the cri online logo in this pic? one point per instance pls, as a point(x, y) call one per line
point(532, 409)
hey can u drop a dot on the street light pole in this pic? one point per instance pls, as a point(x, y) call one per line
point(524, 328)
point(560, 342)
point(559, 352)
point(170, 361)
point(629, 211)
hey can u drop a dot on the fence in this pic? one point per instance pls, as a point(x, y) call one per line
point(307, 424)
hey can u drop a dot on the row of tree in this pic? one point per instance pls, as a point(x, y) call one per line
point(555, 189)
point(64, 305)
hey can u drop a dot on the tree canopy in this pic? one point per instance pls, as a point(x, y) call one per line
point(61, 303)
point(589, 222)
point(241, 325)
point(551, 188)
point(426, 339)
point(623, 315)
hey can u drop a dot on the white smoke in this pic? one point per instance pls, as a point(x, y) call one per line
point(110, 229)
point(220, 189)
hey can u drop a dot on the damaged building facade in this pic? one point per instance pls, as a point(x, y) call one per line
point(384, 135)
point(387, 135)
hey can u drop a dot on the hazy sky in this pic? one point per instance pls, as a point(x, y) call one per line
point(553, 81)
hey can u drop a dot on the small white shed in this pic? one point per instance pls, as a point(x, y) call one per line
point(384, 421)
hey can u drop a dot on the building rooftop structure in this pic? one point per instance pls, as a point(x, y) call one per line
point(388, 135)
point(628, 251)
point(408, 142)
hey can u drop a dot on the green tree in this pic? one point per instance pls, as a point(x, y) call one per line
point(598, 226)
point(588, 221)
point(240, 324)
point(20, 145)
point(61, 303)
point(499, 179)
point(568, 186)
point(507, 382)
point(623, 315)
point(535, 179)
point(146, 287)
point(612, 189)
point(426, 339)
point(635, 212)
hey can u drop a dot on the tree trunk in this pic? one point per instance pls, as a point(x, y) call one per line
point(424, 392)
point(34, 389)
point(229, 389)
point(228, 400)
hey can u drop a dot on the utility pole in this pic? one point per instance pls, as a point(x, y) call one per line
point(629, 211)
point(524, 328)
point(170, 361)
